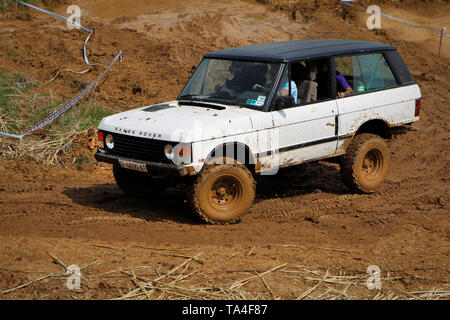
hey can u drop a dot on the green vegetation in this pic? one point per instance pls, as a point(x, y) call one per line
point(7, 111)
point(12, 53)
point(20, 109)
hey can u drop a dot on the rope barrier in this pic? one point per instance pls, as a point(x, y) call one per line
point(55, 15)
point(78, 97)
point(65, 107)
point(91, 31)
point(441, 31)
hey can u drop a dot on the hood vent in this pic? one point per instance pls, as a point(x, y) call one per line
point(158, 107)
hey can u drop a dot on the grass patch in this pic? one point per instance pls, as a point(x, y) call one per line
point(20, 109)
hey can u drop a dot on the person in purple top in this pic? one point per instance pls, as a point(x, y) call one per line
point(343, 88)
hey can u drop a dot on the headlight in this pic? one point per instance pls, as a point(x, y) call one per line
point(168, 151)
point(109, 140)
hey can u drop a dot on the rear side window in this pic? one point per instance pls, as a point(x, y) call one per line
point(399, 67)
point(365, 73)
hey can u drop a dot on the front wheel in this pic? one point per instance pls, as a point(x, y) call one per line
point(137, 184)
point(366, 163)
point(223, 193)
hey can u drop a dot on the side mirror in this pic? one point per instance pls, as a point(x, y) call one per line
point(283, 102)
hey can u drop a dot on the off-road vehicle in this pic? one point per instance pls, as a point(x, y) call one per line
point(254, 109)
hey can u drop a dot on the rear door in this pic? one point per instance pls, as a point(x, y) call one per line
point(377, 94)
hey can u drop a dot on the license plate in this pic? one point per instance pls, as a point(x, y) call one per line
point(133, 165)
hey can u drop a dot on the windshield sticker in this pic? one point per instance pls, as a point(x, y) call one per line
point(262, 98)
point(231, 76)
point(257, 103)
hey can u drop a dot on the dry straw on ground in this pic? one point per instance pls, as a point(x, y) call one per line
point(190, 280)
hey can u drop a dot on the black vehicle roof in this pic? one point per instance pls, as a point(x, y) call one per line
point(289, 51)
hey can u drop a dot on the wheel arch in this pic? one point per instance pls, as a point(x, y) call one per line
point(236, 150)
point(375, 126)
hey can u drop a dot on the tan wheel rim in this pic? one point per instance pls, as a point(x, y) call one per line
point(372, 165)
point(225, 193)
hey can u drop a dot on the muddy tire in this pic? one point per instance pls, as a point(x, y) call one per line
point(222, 193)
point(137, 184)
point(366, 163)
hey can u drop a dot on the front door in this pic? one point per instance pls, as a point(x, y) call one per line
point(306, 130)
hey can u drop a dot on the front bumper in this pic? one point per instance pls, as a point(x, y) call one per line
point(153, 168)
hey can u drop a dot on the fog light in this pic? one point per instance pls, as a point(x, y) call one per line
point(168, 151)
point(109, 140)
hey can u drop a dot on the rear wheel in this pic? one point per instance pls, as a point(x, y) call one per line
point(366, 163)
point(223, 193)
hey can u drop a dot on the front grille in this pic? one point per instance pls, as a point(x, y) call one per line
point(139, 148)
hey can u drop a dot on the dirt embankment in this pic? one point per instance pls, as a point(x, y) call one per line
point(304, 217)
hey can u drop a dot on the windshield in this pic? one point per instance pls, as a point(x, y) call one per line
point(241, 83)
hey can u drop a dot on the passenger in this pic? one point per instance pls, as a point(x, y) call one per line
point(343, 88)
point(284, 89)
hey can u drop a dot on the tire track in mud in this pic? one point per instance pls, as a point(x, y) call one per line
point(104, 219)
point(281, 208)
point(417, 187)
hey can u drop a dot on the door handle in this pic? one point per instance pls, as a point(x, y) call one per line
point(330, 124)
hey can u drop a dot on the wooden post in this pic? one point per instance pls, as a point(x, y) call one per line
point(441, 35)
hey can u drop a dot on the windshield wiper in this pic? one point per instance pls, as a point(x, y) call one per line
point(187, 97)
point(200, 103)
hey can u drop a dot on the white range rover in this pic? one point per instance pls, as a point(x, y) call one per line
point(252, 110)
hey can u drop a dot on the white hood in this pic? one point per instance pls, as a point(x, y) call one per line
point(180, 123)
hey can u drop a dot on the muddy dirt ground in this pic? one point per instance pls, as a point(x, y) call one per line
point(304, 221)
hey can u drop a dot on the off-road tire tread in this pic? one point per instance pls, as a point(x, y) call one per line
point(195, 189)
point(347, 164)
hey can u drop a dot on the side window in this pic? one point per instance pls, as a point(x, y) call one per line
point(285, 88)
point(363, 73)
point(375, 71)
point(312, 79)
point(348, 76)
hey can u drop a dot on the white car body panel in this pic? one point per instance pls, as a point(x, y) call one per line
point(306, 132)
point(394, 106)
point(180, 123)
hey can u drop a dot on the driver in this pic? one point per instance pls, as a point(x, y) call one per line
point(270, 79)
